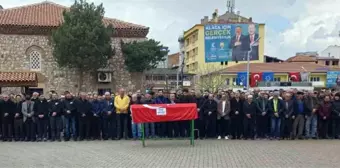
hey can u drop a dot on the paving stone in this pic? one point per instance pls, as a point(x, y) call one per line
point(171, 154)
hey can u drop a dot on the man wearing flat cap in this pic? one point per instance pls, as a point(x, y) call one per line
point(276, 110)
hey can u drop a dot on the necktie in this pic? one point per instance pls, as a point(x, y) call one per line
point(252, 38)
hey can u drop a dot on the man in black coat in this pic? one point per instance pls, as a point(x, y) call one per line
point(262, 116)
point(185, 125)
point(41, 113)
point(55, 109)
point(236, 115)
point(7, 114)
point(287, 121)
point(18, 120)
point(84, 108)
point(199, 122)
point(70, 113)
point(249, 108)
point(209, 110)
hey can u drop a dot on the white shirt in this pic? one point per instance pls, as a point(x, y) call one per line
point(223, 106)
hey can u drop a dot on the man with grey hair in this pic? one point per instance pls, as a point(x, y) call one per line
point(109, 118)
point(249, 108)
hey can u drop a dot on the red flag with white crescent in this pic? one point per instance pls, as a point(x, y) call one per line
point(294, 76)
point(255, 78)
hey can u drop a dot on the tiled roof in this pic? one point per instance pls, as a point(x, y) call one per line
point(283, 67)
point(18, 77)
point(49, 14)
point(301, 58)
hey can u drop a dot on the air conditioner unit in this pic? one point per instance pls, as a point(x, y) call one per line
point(104, 77)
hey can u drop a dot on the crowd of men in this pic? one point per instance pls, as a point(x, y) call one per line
point(225, 114)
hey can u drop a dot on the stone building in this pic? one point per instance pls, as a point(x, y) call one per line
point(27, 63)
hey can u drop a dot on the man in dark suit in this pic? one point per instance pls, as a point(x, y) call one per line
point(236, 45)
point(287, 121)
point(276, 110)
point(209, 110)
point(300, 111)
point(236, 115)
point(250, 40)
point(262, 116)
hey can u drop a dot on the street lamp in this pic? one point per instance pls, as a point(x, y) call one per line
point(251, 45)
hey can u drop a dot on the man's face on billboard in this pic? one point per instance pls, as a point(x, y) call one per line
point(238, 30)
point(251, 29)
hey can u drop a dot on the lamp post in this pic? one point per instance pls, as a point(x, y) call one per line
point(251, 45)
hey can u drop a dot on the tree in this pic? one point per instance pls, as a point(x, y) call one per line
point(82, 42)
point(144, 55)
point(209, 78)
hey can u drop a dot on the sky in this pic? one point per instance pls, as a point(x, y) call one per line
point(291, 25)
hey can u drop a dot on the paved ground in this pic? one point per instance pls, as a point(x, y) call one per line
point(175, 153)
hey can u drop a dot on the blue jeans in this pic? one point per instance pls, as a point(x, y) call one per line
point(311, 126)
point(70, 123)
point(149, 131)
point(275, 127)
point(136, 130)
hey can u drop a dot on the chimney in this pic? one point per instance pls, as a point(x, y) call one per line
point(250, 19)
point(205, 19)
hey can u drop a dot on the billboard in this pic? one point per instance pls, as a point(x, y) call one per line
point(333, 79)
point(231, 42)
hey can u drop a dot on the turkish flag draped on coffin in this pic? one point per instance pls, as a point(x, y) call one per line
point(294, 76)
point(145, 113)
point(255, 77)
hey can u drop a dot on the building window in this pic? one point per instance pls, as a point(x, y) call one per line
point(187, 42)
point(234, 80)
point(277, 79)
point(195, 66)
point(314, 79)
point(35, 61)
point(227, 81)
point(327, 63)
point(335, 63)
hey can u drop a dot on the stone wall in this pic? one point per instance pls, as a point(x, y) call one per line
point(14, 56)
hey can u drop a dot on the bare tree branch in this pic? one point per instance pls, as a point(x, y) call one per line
point(209, 78)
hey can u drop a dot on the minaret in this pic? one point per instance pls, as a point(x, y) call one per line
point(231, 6)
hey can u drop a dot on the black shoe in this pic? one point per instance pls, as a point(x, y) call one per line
point(4, 139)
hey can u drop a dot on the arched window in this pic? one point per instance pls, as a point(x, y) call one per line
point(35, 60)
